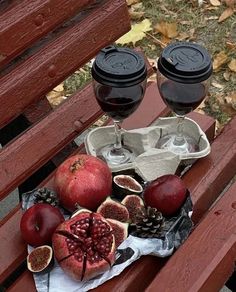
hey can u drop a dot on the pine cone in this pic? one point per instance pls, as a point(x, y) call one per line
point(149, 223)
point(45, 195)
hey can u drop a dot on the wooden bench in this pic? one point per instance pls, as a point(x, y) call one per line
point(41, 43)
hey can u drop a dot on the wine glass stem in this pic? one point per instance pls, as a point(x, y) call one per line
point(117, 125)
point(179, 139)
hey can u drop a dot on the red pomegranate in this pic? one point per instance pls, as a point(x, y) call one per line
point(84, 245)
point(84, 180)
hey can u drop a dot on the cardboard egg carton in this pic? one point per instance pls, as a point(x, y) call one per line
point(150, 162)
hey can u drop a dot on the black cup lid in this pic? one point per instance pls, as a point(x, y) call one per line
point(118, 66)
point(185, 62)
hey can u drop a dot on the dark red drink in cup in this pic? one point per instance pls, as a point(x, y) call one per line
point(183, 76)
point(119, 82)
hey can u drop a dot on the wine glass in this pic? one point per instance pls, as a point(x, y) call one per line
point(119, 82)
point(183, 76)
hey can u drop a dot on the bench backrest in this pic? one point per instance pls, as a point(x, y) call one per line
point(41, 43)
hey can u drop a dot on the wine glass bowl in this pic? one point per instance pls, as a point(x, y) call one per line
point(119, 83)
point(183, 76)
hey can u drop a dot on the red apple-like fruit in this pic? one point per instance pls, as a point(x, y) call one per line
point(167, 193)
point(83, 180)
point(39, 222)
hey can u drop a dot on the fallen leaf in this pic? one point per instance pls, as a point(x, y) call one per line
point(131, 2)
point(231, 45)
point(227, 75)
point(186, 22)
point(59, 88)
point(136, 11)
point(167, 29)
point(211, 18)
point(232, 65)
point(226, 14)
point(55, 98)
point(217, 85)
point(215, 2)
point(136, 33)
point(220, 59)
point(182, 36)
point(135, 15)
point(228, 104)
point(211, 8)
point(192, 34)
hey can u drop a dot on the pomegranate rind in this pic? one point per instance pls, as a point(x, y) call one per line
point(78, 263)
point(120, 231)
point(113, 210)
point(134, 205)
point(87, 184)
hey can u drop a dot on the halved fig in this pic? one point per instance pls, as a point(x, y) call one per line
point(40, 260)
point(134, 204)
point(114, 210)
point(120, 230)
point(125, 184)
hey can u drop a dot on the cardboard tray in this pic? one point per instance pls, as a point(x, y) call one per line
point(150, 162)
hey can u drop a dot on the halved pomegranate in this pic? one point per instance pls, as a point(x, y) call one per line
point(84, 245)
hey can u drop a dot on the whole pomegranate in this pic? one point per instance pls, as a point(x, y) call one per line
point(84, 180)
point(84, 245)
point(167, 193)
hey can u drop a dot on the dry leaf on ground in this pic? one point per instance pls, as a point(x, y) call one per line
point(136, 11)
point(227, 75)
point(136, 33)
point(131, 2)
point(168, 30)
point(217, 85)
point(228, 104)
point(59, 88)
point(219, 60)
point(135, 15)
point(232, 65)
point(226, 14)
point(215, 2)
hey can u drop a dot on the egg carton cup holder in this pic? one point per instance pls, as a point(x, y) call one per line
point(150, 162)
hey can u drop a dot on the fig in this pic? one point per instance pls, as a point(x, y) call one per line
point(134, 204)
point(40, 260)
point(167, 194)
point(120, 230)
point(113, 210)
point(84, 245)
point(125, 184)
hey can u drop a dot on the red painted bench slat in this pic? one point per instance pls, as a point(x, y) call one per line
point(29, 20)
point(53, 63)
point(24, 283)
point(207, 259)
